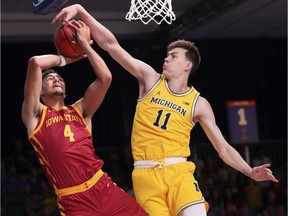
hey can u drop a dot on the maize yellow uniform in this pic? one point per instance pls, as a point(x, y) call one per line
point(163, 180)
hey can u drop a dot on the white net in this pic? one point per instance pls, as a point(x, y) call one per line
point(147, 10)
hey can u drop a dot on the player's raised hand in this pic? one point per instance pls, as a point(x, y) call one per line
point(67, 14)
point(262, 173)
point(83, 32)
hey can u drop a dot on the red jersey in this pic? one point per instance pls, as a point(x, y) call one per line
point(63, 143)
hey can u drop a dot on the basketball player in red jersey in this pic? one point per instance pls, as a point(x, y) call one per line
point(167, 110)
point(61, 135)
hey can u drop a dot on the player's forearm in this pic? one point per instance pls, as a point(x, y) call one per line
point(100, 68)
point(46, 61)
point(102, 36)
point(231, 157)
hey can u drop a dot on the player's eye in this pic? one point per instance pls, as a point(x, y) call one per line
point(49, 78)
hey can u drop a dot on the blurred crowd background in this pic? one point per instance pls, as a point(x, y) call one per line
point(253, 69)
point(25, 191)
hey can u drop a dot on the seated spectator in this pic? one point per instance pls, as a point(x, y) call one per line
point(216, 203)
point(253, 196)
point(230, 204)
point(36, 189)
point(12, 193)
point(272, 206)
point(235, 188)
point(19, 159)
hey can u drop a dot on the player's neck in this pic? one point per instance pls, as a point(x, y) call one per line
point(178, 86)
point(55, 102)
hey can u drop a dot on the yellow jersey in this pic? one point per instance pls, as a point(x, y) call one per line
point(162, 123)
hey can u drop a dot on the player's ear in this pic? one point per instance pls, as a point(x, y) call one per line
point(188, 66)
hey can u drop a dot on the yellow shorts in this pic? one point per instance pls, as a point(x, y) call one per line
point(166, 191)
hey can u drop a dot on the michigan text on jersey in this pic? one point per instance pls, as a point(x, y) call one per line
point(168, 104)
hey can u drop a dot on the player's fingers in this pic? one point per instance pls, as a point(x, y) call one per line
point(272, 178)
point(270, 175)
point(83, 56)
point(266, 165)
point(74, 23)
point(62, 17)
point(57, 18)
point(81, 22)
point(268, 170)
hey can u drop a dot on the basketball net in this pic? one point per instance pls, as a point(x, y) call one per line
point(147, 10)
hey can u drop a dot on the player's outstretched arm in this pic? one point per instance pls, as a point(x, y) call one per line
point(205, 116)
point(107, 41)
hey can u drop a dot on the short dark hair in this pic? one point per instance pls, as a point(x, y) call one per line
point(49, 71)
point(192, 53)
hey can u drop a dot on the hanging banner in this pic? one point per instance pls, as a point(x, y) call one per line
point(242, 120)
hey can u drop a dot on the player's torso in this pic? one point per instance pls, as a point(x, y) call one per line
point(63, 143)
point(162, 123)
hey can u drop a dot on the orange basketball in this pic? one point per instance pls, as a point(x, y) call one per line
point(66, 42)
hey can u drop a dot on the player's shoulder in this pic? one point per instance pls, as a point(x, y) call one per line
point(202, 102)
point(203, 108)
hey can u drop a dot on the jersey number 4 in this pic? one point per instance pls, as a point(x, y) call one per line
point(158, 118)
point(68, 133)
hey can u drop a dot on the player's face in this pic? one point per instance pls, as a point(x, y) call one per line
point(54, 84)
point(176, 63)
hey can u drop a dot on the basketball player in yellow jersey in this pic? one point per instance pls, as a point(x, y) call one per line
point(166, 112)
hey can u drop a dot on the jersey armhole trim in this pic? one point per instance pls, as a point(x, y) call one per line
point(75, 107)
point(193, 108)
point(153, 87)
point(40, 121)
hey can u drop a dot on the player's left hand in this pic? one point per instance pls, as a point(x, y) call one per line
point(262, 173)
point(67, 14)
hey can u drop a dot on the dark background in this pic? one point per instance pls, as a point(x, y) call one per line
point(233, 69)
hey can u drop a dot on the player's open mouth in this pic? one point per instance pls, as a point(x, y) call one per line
point(55, 86)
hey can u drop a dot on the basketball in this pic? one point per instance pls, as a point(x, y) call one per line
point(66, 42)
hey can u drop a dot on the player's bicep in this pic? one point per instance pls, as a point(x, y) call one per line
point(32, 89)
point(205, 116)
point(92, 98)
point(203, 111)
point(135, 67)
